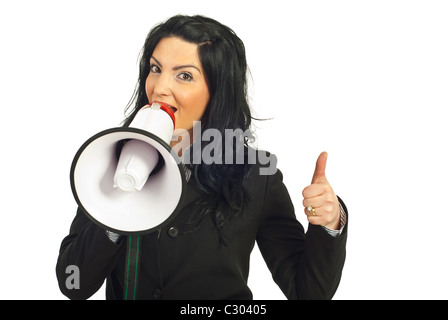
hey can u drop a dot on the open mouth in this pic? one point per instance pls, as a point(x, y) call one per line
point(174, 109)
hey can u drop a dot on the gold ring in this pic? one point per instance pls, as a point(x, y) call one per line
point(311, 210)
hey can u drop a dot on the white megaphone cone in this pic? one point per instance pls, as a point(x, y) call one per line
point(140, 189)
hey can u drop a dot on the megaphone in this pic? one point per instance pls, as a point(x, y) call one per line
point(128, 179)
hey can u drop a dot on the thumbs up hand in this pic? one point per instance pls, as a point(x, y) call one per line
point(320, 201)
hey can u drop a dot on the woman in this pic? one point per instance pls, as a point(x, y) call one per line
point(198, 67)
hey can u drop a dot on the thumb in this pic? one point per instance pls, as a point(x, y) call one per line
point(319, 172)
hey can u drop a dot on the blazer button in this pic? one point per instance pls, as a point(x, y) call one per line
point(173, 232)
point(158, 294)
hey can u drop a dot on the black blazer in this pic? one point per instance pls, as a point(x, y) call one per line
point(185, 261)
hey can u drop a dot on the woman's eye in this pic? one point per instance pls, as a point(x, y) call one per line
point(154, 68)
point(185, 76)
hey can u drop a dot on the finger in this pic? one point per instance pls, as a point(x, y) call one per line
point(314, 190)
point(314, 215)
point(317, 220)
point(316, 202)
point(319, 171)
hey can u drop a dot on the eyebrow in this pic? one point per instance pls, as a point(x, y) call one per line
point(179, 67)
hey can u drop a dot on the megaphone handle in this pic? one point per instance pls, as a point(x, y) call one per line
point(137, 160)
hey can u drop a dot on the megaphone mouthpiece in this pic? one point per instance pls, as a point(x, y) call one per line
point(156, 118)
point(165, 107)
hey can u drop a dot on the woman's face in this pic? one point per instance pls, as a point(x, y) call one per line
point(176, 77)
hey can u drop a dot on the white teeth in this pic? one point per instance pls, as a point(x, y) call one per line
point(157, 104)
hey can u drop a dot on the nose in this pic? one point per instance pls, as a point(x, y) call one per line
point(162, 86)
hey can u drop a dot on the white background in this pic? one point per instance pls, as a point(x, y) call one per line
point(366, 81)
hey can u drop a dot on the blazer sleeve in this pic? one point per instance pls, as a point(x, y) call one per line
point(304, 265)
point(87, 247)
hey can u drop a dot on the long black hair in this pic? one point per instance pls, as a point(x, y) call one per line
point(223, 58)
